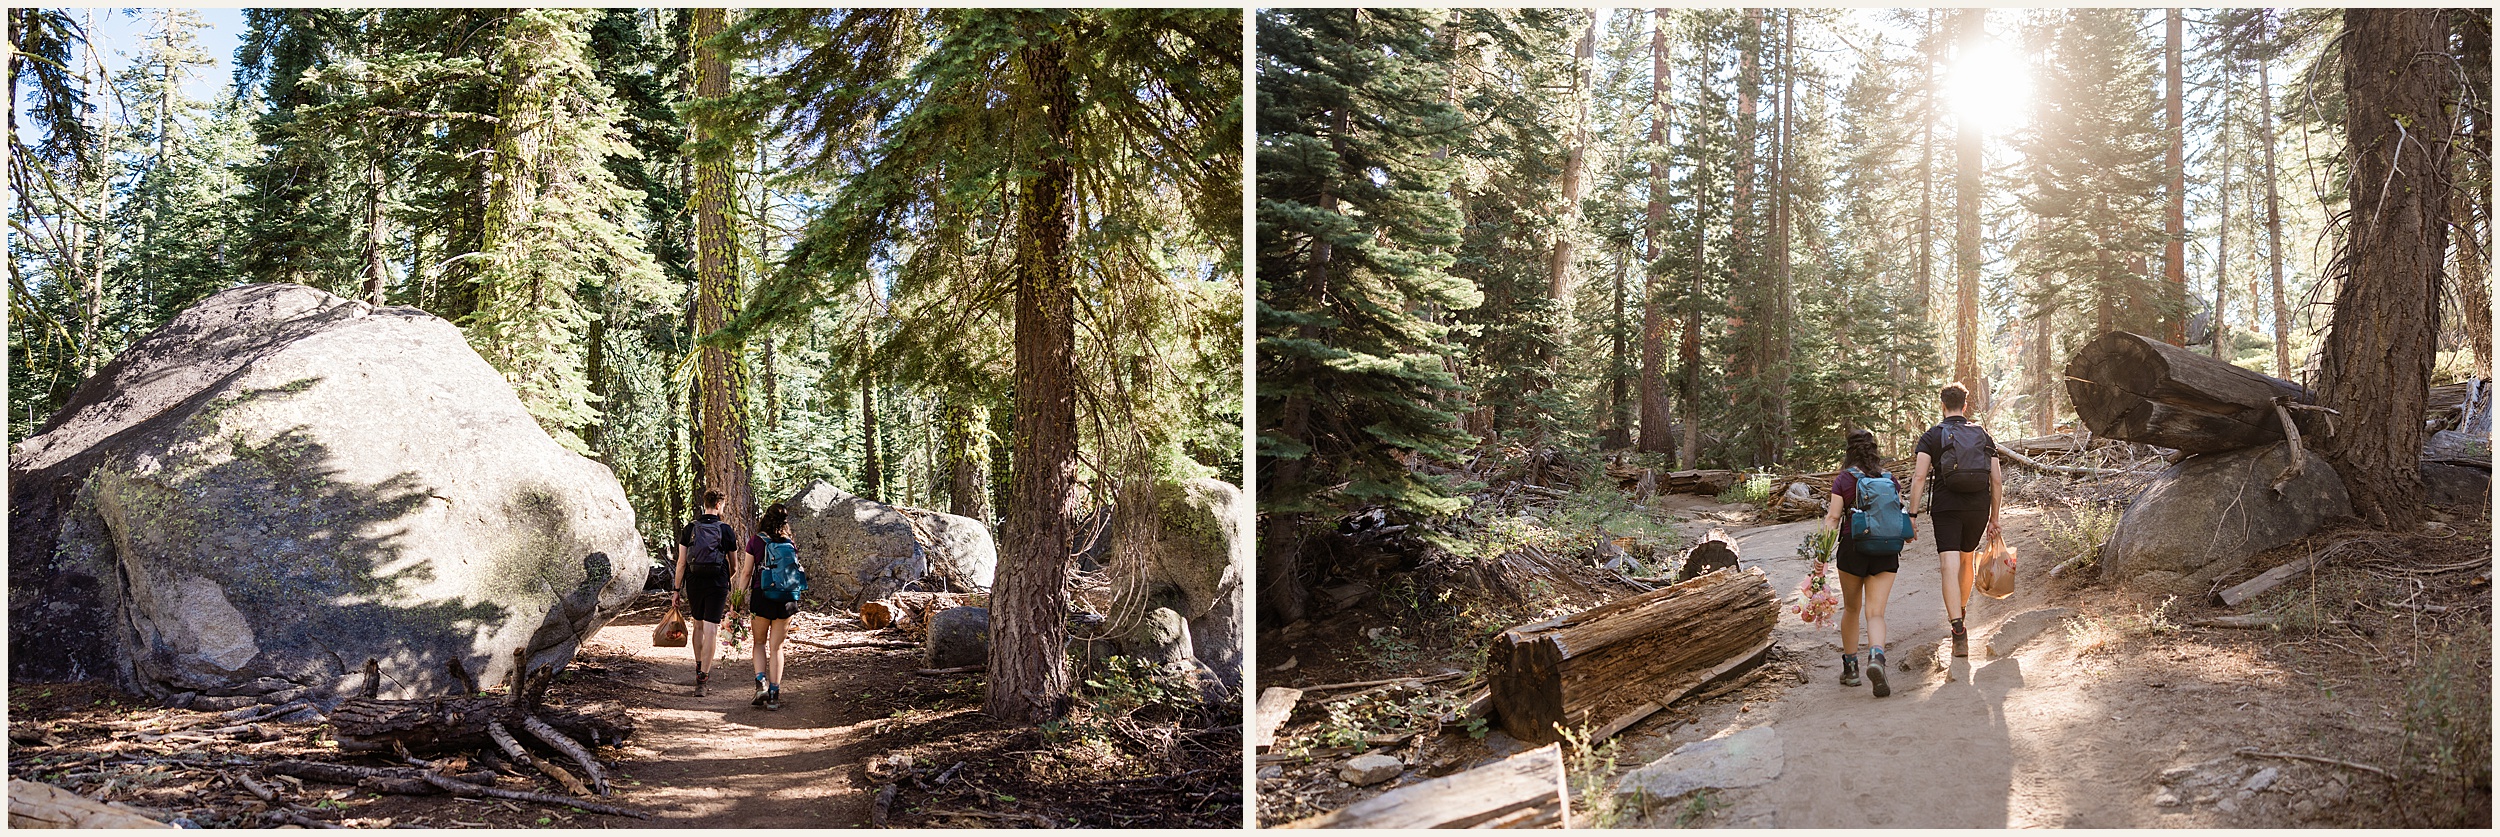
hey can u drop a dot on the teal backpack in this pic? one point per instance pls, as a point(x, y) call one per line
point(782, 579)
point(1876, 521)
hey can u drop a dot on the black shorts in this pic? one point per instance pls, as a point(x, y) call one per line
point(764, 608)
point(707, 593)
point(1959, 531)
point(1852, 562)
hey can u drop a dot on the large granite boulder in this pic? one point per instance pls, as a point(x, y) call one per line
point(1195, 569)
point(2202, 518)
point(284, 484)
point(858, 550)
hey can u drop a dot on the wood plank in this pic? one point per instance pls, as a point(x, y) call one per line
point(1276, 703)
point(38, 805)
point(1496, 794)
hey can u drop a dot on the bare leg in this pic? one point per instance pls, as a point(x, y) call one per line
point(778, 630)
point(757, 652)
point(706, 639)
point(1878, 588)
point(1949, 565)
point(1849, 585)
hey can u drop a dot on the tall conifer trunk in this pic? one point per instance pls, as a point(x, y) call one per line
point(1028, 674)
point(2379, 349)
point(720, 401)
point(2174, 219)
point(1655, 435)
point(2274, 222)
point(2222, 237)
point(1966, 161)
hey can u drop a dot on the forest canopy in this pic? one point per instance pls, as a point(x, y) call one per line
point(535, 176)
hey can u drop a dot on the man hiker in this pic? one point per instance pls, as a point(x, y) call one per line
point(1970, 488)
point(705, 548)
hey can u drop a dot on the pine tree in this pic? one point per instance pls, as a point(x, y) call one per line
point(1350, 375)
point(1114, 122)
point(551, 219)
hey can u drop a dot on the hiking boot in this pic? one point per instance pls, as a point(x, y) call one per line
point(1875, 672)
point(760, 691)
point(772, 698)
point(1961, 640)
point(1849, 670)
point(701, 680)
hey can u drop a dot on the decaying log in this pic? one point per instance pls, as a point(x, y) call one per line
point(459, 723)
point(570, 748)
point(954, 670)
point(2132, 387)
point(1716, 551)
point(1588, 667)
point(1524, 791)
point(1276, 703)
point(38, 805)
point(909, 612)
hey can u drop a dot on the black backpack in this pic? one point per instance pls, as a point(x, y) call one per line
point(1968, 457)
point(710, 542)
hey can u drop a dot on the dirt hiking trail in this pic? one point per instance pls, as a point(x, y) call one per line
point(2067, 724)
point(716, 761)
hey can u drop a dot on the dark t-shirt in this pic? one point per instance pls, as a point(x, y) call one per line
point(1932, 444)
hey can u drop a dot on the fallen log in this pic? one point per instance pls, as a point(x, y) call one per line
point(1524, 791)
point(1276, 703)
point(909, 612)
point(38, 805)
point(1590, 666)
point(459, 723)
point(2135, 388)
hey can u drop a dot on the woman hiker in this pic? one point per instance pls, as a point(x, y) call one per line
point(772, 617)
point(1866, 575)
point(704, 547)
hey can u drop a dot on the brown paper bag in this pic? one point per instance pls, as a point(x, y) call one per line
point(1996, 568)
point(671, 632)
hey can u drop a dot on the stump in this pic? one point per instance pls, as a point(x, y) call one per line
point(458, 723)
point(2135, 388)
point(909, 612)
point(1583, 669)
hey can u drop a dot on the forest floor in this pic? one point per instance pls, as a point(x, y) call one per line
point(2117, 712)
point(854, 720)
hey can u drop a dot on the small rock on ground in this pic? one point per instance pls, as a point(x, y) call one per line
point(1370, 769)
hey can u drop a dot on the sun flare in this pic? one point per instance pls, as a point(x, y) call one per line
point(1990, 85)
